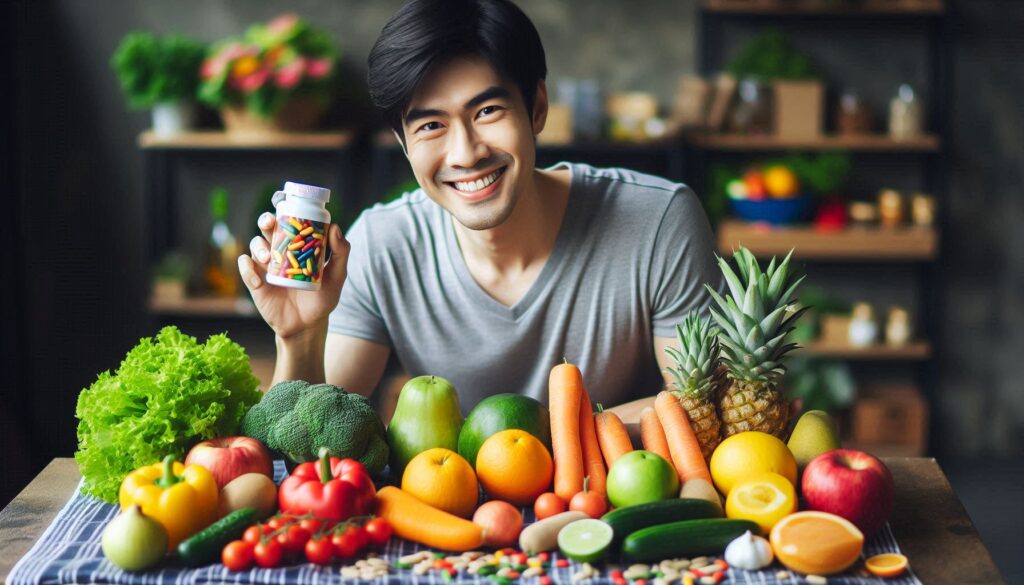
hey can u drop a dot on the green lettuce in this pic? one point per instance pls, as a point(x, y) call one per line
point(168, 393)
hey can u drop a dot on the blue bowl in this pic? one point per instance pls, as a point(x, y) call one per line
point(773, 211)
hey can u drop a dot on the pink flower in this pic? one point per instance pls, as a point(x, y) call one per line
point(212, 67)
point(251, 82)
point(282, 23)
point(290, 75)
point(319, 68)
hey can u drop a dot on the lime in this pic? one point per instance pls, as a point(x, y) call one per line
point(502, 412)
point(585, 540)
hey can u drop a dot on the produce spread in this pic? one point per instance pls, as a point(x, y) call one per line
point(719, 486)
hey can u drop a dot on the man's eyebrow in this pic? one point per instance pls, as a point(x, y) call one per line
point(490, 93)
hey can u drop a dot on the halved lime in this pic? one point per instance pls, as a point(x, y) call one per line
point(585, 540)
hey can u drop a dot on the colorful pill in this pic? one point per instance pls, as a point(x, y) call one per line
point(292, 260)
point(306, 231)
point(295, 246)
point(318, 235)
point(304, 255)
point(316, 251)
point(309, 265)
point(288, 228)
point(277, 256)
point(308, 245)
point(295, 223)
point(307, 273)
point(293, 271)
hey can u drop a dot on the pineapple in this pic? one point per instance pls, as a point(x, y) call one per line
point(697, 377)
point(755, 318)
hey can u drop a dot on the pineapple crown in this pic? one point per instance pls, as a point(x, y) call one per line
point(756, 316)
point(697, 356)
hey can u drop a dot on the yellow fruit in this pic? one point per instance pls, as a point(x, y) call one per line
point(886, 564)
point(749, 453)
point(764, 498)
point(442, 478)
point(514, 466)
point(816, 543)
point(780, 181)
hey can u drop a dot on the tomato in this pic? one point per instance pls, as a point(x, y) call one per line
point(378, 531)
point(319, 550)
point(237, 555)
point(293, 539)
point(592, 504)
point(345, 545)
point(359, 534)
point(268, 554)
point(277, 522)
point(253, 533)
point(548, 504)
point(312, 525)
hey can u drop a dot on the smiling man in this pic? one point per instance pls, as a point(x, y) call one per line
point(494, 270)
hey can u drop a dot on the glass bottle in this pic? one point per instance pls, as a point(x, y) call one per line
point(222, 249)
point(299, 244)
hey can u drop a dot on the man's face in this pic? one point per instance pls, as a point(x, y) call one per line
point(469, 140)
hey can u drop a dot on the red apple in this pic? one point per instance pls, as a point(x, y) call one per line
point(851, 484)
point(230, 457)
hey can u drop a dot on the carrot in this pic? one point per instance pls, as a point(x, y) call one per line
point(565, 392)
point(682, 442)
point(419, 522)
point(612, 436)
point(593, 462)
point(652, 435)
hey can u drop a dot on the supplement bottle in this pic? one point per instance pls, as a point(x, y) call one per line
point(300, 239)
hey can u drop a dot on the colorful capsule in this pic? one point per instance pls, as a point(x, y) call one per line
point(306, 231)
point(292, 260)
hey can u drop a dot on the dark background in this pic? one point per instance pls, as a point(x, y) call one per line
point(72, 184)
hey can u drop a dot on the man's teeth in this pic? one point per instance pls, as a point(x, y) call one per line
point(478, 184)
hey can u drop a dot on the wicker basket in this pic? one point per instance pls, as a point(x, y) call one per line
point(299, 114)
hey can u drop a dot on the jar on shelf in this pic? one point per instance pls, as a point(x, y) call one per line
point(905, 114)
point(299, 245)
point(752, 114)
point(890, 207)
point(853, 117)
point(863, 329)
point(922, 209)
point(897, 327)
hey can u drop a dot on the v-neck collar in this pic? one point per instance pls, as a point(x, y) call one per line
point(479, 295)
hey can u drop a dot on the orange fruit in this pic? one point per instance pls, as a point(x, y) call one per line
point(764, 498)
point(442, 478)
point(781, 182)
point(749, 453)
point(514, 466)
point(501, 522)
point(886, 564)
point(816, 543)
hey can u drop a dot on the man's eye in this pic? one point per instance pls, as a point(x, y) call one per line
point(488, 110)
point(428, 127)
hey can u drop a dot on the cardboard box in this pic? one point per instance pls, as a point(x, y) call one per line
point(895, 416)
point(799, 109)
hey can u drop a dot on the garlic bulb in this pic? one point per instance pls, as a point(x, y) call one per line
point(749, 552)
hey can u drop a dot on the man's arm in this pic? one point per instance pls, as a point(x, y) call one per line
point(317, 356)
point(630, 411)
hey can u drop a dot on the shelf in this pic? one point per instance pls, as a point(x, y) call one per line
point(826, 7)
point(204, 307)
point(913, 351)
point(851, 244)
point(865, 143)
point(387, 140)
point(885, 449)
point(216, 140)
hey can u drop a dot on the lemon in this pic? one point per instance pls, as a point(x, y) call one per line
point(749, 453)
point(764, 498)
point(781, 182)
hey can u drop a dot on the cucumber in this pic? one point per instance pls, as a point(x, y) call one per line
point(685, 539)
point(628, 520)
point(205, 546)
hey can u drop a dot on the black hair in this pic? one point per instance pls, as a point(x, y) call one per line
point(425, 33)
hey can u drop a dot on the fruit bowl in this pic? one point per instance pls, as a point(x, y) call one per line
point(773, 211)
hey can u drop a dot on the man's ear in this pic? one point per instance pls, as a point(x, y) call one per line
point(540, 108)
point(401, 142)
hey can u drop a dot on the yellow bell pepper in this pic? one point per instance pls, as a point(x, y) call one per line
point(182, 499)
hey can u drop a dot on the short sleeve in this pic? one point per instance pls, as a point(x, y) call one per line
point(358, 313)
point(683, 261)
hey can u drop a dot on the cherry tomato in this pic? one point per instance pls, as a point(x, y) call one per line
point(237, 555)
point(548, 504)
point(345, 545)
point(319, 550)
point(378, 531)
point(277, 522)
point(359, 534)
point(268, 554)
point(293, 539)
point(590, 503)
point(311, 525)
point(253, 533)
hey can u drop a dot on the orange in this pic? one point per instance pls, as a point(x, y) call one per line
point(886, 565)
point(764, 498)
point(781, 182)
point(514, 466)
point(442, 478)
point(816, 543)
point(749, 453)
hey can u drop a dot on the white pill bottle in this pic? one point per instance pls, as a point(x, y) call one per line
point(299, 245)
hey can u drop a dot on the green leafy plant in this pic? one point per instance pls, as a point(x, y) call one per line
point(771, 56)
point(823, 174)
point(154, 70)
point(268, 65)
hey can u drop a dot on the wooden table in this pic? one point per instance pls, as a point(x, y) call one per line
point(929, 521)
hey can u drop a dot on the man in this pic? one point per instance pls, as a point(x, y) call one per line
point(494, 271)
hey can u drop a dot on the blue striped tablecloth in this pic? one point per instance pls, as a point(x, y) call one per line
point(69, 552)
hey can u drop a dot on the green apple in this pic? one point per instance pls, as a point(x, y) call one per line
point(427, 416)
point(815, 433)
point(639, 477)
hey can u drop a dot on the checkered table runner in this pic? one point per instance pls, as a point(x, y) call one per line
point(69, 552)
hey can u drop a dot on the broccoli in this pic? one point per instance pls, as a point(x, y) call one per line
point(296, 418)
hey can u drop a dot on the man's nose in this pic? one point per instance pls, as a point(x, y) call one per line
point(465, 149)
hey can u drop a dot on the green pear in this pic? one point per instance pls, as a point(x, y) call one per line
point(815, 433)
point(427, 416)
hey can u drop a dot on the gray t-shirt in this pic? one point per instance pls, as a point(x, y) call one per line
point(630, 260)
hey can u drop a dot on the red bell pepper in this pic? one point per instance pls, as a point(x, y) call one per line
point(331, 488)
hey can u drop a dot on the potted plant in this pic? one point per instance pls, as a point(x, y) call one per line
point(799, 92)
point(278, 77)
point(162, 74)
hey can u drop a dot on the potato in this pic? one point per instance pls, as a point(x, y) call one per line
point(543, 535)
point(250, 490)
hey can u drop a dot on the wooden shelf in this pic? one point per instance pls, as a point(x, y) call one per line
point(866, 143)
point(216, 140)
point(851, 244)
point(204, 307)
point(913, 351)
point(826, 7)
